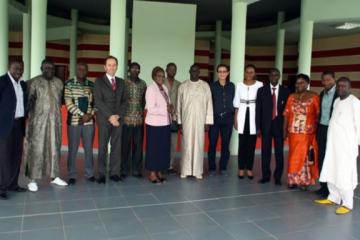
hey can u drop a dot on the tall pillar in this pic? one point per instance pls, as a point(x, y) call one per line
point(237, 57)
point(26, 43)
point(73, 42)
point(4, 39)
point(126, 53)
point(217, 51)
point(280, 44)
point(305, 43)
point(38, 35)
point(117, 33)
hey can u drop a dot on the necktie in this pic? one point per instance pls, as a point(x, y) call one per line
point(113, 84)
point(274, 106)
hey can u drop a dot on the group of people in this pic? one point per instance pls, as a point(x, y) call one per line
point(322, 132)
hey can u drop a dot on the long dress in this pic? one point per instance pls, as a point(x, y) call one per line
point(302, 123)
point(43, 135)
point(340, 163)
point(194, 110)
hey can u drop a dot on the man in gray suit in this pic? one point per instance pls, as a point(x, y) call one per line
point(109, 104)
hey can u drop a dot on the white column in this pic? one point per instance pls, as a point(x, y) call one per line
point(73, 42)
point(305, 43)
point(117, 33)
point(217, 50)
point(38, 35)
point(126, 51)
point(237, 58)
point(26, 43)
point(4, 36)
point(280, 44)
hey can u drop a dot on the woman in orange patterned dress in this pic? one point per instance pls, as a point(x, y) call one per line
point(300, 123)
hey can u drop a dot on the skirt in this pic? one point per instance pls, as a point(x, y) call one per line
point(158, 142)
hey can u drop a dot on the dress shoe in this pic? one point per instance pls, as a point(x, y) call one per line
point(171, 171)
point(72, 181)
point(324, 202)
point(33, 187)
point(241, 176)
point(123, 175)
point(264, 180)
point(3, 196)
point(18, 189)
point(278, 182)
point(91, 179)
point(138, 175)
point(250, 177)
point(115, 178)
point(342, 210)
point(224, 173)
point(101, 179)
point(58, 181)
point(292, 186)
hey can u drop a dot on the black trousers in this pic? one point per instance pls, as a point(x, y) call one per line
point(247, 145)
point(225, 130)
point(108, 133)
point(321, 139)
point(132, 149)
point(11, 150)
point(276, 134)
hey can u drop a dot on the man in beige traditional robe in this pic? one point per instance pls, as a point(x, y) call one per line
point(43, 135)
point(340, 163)
point(194, 114)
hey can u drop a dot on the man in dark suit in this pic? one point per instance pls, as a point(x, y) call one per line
point(12, 127)
point(270, 103)
point(109, 104)
point(327, 98)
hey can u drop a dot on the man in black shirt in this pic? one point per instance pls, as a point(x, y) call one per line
point(223, 93)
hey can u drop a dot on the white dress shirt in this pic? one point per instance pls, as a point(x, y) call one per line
point(245, 96)
point(110, 77)
point(19, 112)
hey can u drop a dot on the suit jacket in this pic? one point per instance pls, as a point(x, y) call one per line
point(264, 107)
point(8, 105)
point(108, 102)
point(332, 103)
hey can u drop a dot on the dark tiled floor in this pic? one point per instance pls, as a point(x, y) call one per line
point(216, 208)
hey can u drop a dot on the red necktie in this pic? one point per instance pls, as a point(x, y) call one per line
point(113, 84)
point(274, 104)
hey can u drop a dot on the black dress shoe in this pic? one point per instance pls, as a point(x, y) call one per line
point(101, 179)
point(264, 180)
point(18, 189)
point(123, 175)
point(115, 178)
point(91, 179)
point(278, 182)
point(3, 196)
point(292, 186)
point(171, 171)
point(72, 181)
point(138, 175)
point(240, 176)
point(250, 177)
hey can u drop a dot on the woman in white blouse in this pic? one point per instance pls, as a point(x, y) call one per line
point(244, 122)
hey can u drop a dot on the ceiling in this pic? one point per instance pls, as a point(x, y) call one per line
point(261, 17)
point(261, 13)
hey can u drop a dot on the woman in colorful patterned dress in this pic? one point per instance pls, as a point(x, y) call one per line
point(300, 123)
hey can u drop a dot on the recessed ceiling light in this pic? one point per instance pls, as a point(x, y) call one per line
point(348, 26)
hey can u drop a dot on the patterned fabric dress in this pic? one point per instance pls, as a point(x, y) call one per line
point(43, 134)
point(302, 116)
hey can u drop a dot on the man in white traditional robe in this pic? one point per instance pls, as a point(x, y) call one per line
point(194, 115)
point(340, 163)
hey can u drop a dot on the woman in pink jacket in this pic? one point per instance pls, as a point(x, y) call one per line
point(158, 134)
